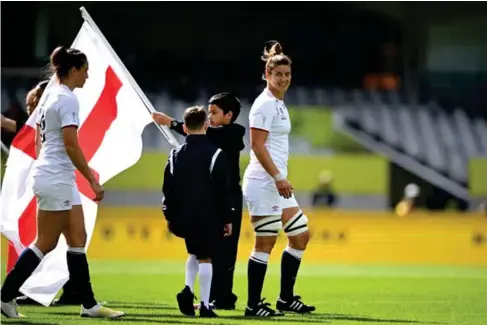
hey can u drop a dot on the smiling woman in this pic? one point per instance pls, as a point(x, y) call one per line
point(277, 69)
point(268, 192)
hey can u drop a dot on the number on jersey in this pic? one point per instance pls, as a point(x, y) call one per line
point(43, 127)
point(43, 118)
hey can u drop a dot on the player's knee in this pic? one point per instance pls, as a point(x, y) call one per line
point(264, 244)
point(266, 231)
point(46, 244)
point(297, 230)
point(76, 233)
point(80, 238)
point(268, 226)
point(76, 238)
point(300, 241)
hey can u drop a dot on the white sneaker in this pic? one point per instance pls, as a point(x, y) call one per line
point(100, 312)
point(9, 310)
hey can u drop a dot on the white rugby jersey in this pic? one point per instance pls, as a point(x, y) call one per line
point(59, 108)
point(270, 114)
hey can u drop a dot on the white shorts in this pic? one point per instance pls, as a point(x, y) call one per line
point(263, 199)
point(55, 197)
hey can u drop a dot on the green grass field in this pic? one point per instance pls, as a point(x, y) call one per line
point(342, 294)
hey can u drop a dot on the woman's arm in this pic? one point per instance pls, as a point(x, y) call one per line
point(9, 124)
point(258, 138)
point(70, 137)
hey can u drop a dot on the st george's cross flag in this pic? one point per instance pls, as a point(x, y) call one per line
point(113, 114)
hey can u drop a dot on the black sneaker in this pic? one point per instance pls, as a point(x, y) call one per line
point(185, 301)
point(262, 309)
point(206, 312)
point(295, 305)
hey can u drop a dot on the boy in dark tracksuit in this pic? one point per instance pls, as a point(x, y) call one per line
point(197, 205)
point(223, 110)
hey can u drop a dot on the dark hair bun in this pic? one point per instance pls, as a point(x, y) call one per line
point(271, 48)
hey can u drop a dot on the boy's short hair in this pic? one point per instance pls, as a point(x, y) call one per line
point(228, 102)
point(195, 117)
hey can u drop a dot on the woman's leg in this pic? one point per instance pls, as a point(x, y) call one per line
point(49, 227)
point(295, 225)
point(79, 273)
point(257, 267)
point(264, 206)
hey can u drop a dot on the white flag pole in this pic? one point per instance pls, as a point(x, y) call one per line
point(164, 129)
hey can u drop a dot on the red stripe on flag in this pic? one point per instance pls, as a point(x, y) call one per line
point(25, 141)
point(96, 125)
point(28, 223)
point(93, 130)
point(90, 137)
point(11, 257)
point(27, 232)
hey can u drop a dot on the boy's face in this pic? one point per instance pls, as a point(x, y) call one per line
point(217, 117)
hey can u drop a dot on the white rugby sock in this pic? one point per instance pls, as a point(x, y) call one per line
point(37, 251)
point(206, 273)
point(295, 252)
point(259, 257)
point(191, 271)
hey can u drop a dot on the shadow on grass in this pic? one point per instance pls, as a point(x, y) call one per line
point(311, 319)
point(148, 306)
point(353, 318)
point(171, 318)
point(24, 322)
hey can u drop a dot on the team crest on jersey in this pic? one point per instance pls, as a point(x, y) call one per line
point(275, 208)
point(280, 112)
point(66, 203)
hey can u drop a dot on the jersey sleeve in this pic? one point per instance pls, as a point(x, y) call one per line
point(261, 116)
point(69, 112)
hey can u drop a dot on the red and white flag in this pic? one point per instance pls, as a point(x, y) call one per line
point(112, 117)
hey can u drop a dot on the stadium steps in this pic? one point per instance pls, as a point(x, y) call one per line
point(427, 143)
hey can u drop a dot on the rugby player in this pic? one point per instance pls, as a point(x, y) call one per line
point(59, 209)
point(268, 193)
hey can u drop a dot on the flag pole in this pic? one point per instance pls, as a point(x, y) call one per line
point(164, 129)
